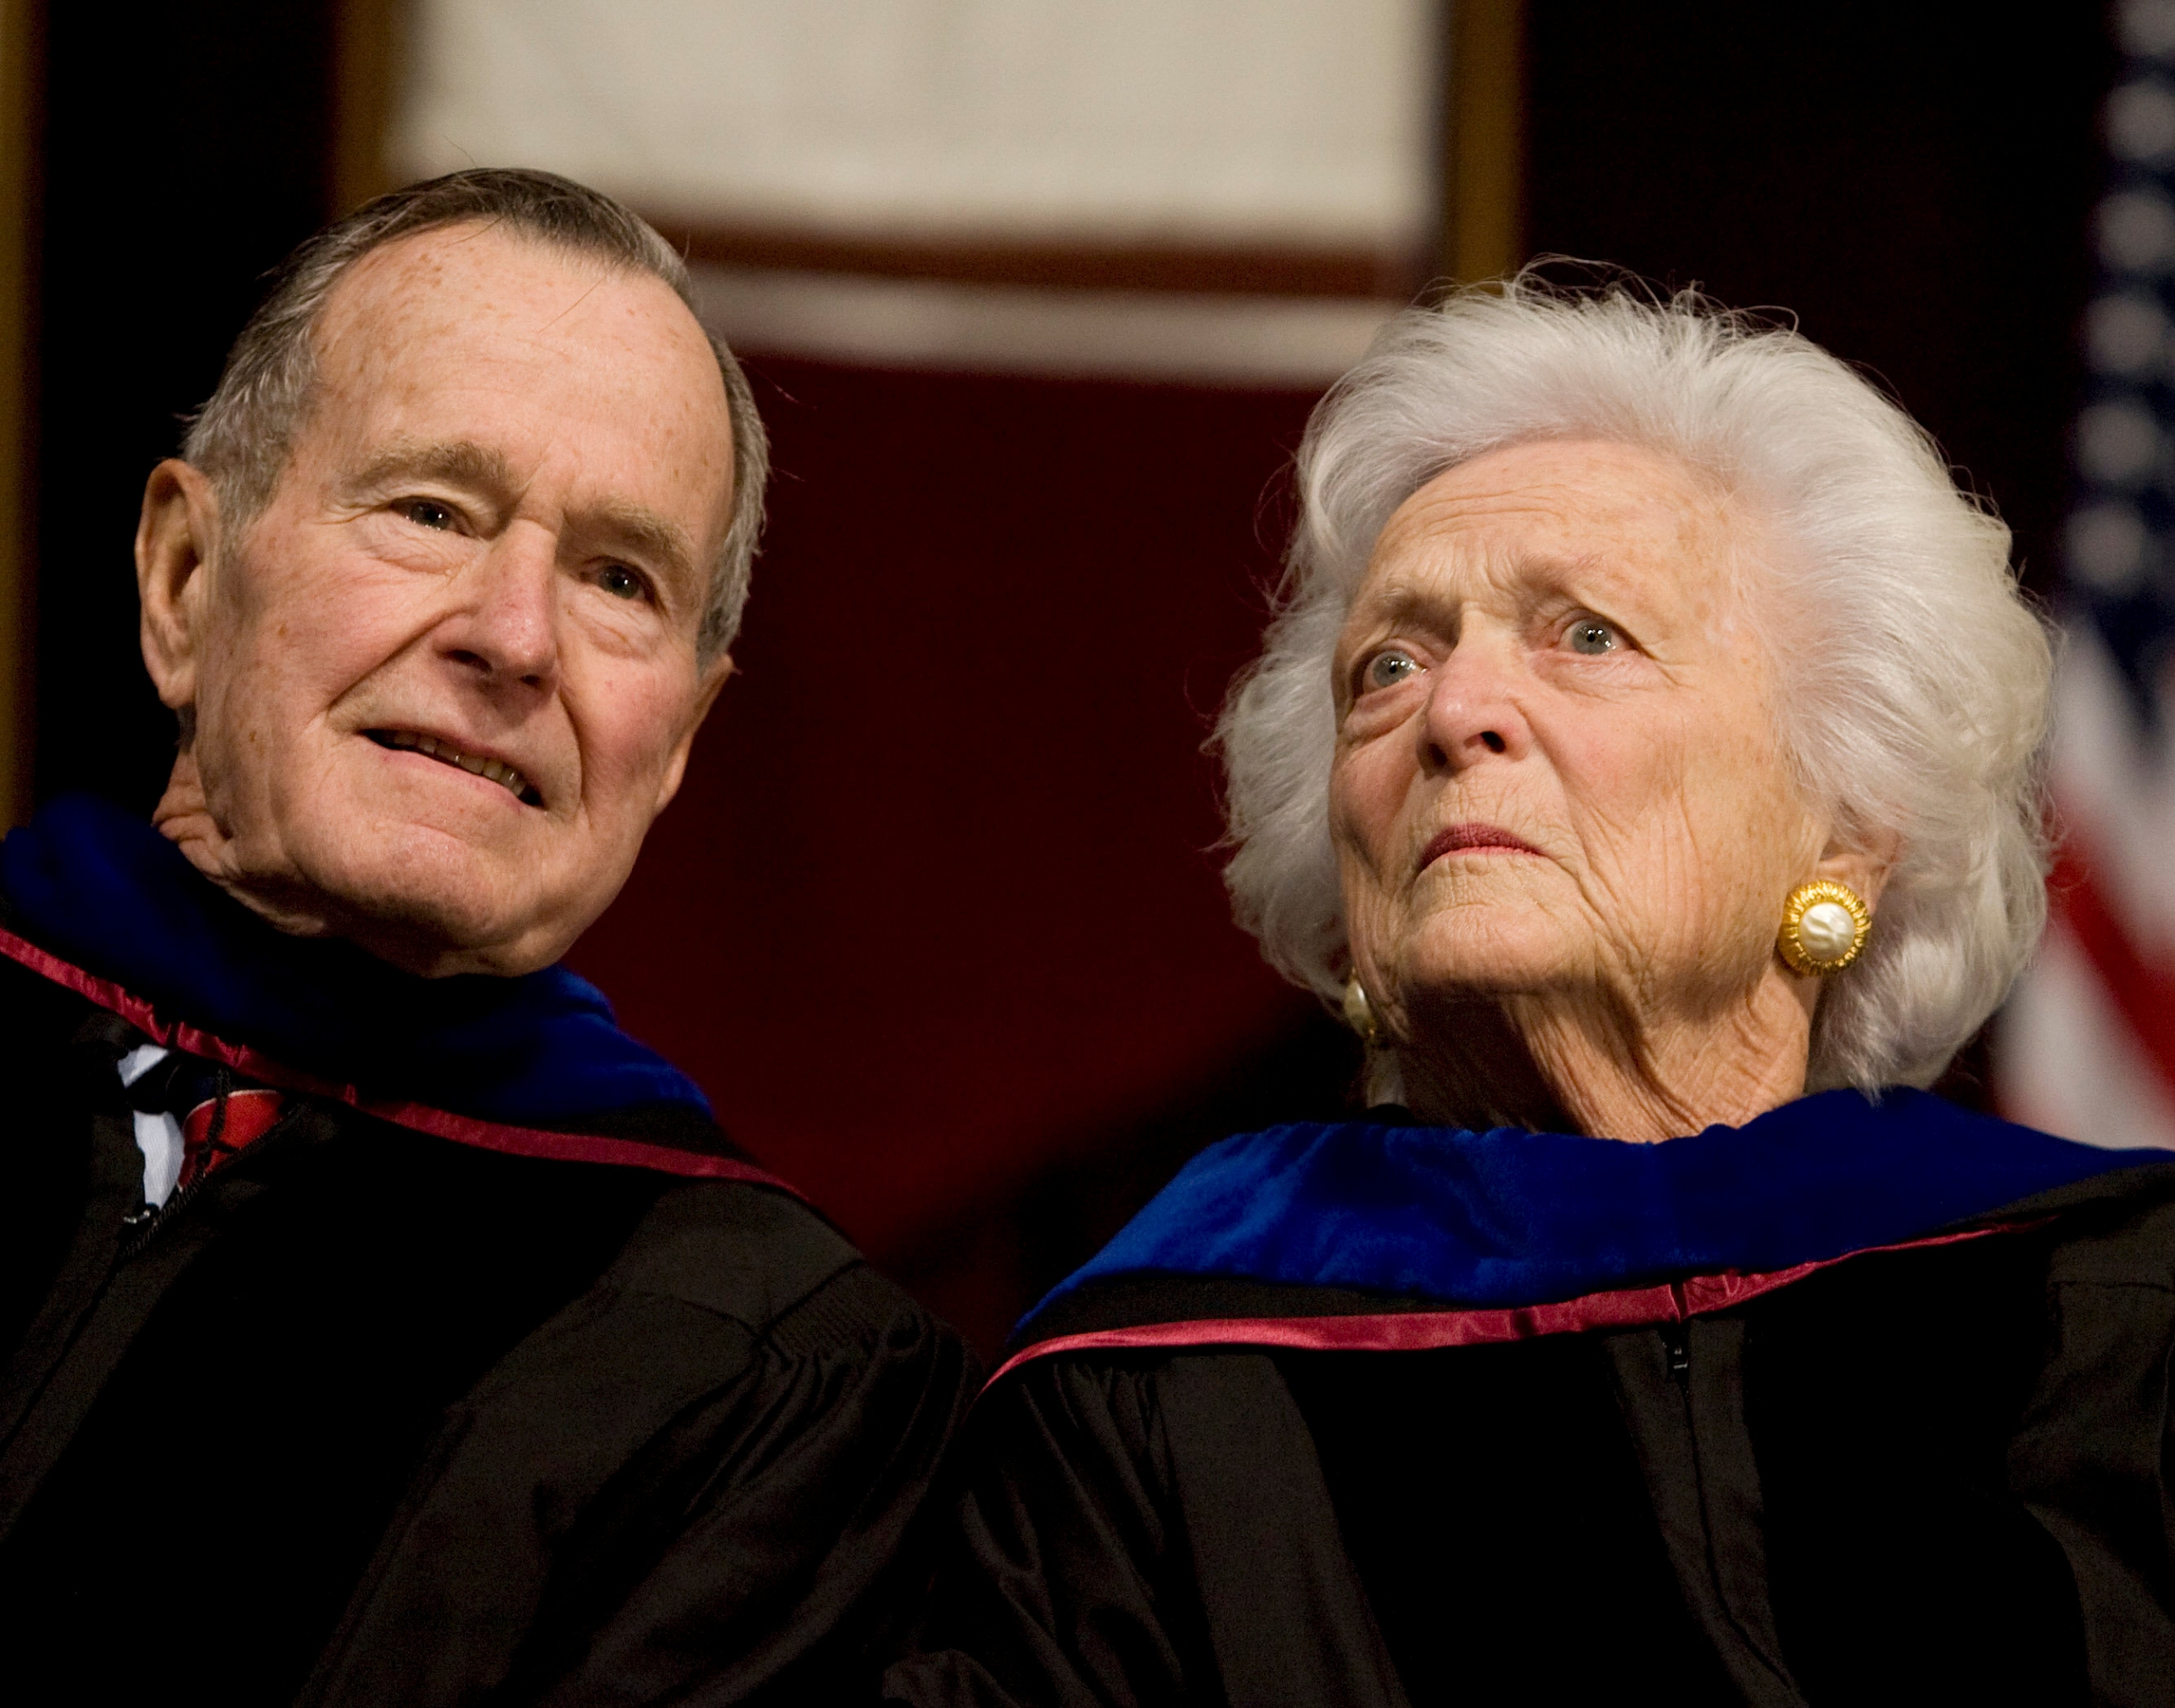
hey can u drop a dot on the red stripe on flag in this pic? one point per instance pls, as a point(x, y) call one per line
point(2142, 991)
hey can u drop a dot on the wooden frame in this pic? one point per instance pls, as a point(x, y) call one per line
point(22, 40)
point(367, 39)
point(1484, 224)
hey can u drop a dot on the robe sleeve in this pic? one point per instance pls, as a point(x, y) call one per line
point(2094, 1455)
point(685, 1487)
point(1060, 1577)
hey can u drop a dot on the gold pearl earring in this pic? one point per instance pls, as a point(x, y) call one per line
point(1825, 925)
point(1359, 1015)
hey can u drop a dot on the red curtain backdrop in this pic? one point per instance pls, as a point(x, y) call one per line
point(939, 905)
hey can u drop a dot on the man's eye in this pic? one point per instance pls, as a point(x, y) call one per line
point(427, 512)
point(1387, 669)
point(620, 582)
point(1590, 635)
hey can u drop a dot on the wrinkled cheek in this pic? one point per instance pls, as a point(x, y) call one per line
point(1365, 798)
point(614, 773)
point(228, 752)
point(622, 774)
point(1361, 831)
point(1682, 887)
point(1644, 876)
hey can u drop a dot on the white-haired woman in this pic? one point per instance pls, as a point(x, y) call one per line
point(1648, 749)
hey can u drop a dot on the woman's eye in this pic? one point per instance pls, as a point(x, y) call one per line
point(1590, 635)
point(1387, 669)
point(620, 582)
point(426, 512)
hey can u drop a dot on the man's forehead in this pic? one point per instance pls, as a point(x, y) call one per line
point(431, 315)
point(449, 278)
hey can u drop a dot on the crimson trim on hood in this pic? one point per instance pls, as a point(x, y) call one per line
point(514, 1141)
point(1670, 1301)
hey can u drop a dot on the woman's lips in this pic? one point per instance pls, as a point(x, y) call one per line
point(1484, 838)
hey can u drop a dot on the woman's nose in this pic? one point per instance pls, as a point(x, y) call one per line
point(1472, 711)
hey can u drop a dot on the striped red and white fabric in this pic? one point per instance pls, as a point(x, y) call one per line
point(2086, 1047)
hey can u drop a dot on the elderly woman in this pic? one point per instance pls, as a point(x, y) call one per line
point(1647, 759)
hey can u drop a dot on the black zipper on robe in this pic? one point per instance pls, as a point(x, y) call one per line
point(115, 1272)
point(1686, 1420)
point(1676, 1339)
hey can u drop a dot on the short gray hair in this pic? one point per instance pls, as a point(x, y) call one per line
point(243, 437)
point(1914, 679)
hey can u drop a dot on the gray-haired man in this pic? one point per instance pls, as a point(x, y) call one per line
point(382, 1324)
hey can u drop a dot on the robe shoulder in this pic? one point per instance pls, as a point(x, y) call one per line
point(1126, 1299)
point(746, 1420)
point(512, 1427)
point(1932, 1468)
point(1219, 1462)
point(1370, 1218)
point(1144, 1528)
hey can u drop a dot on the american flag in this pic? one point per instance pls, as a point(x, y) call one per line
point(2086, 1046)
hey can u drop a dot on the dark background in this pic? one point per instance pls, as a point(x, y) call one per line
point(936, 921)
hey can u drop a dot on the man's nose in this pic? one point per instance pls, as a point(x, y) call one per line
point(505, 628)
point(1473, 707)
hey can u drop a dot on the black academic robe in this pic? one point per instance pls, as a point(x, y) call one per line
point(371, 1415)
point(1928, 1470)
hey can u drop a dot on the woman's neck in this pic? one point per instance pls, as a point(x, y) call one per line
point(1595, 1067)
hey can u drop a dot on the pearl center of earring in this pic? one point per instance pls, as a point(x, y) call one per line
point(1826, 931)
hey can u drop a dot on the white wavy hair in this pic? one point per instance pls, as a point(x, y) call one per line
point(1914, 679)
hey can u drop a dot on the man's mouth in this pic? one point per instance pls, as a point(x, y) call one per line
point(493, 771)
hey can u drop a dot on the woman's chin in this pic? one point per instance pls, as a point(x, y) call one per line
point(1464, 960)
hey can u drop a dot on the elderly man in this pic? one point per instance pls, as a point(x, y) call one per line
point(382, 1324)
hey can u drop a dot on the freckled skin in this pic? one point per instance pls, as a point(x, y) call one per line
point(1621, 980)
point(495, 528)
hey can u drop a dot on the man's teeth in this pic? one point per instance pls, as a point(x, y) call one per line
point(504, 775)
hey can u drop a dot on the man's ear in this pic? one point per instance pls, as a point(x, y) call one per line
point(176, 541)
point(675, 765)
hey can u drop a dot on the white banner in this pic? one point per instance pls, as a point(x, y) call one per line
point(1301, 122)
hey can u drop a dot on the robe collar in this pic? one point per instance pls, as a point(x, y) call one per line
point(103, 891)
point(1511, 1218)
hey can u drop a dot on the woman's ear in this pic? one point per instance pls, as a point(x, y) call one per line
point(176, 541)
point(1863, 864)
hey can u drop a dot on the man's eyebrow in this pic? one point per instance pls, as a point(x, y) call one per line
point(634, 528)
point(642, 533)
point(458, 461)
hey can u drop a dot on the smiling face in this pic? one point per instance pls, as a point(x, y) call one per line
point(443, 683)
point(1558, 777)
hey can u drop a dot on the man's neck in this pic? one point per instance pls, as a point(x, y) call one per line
point(292, 906)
